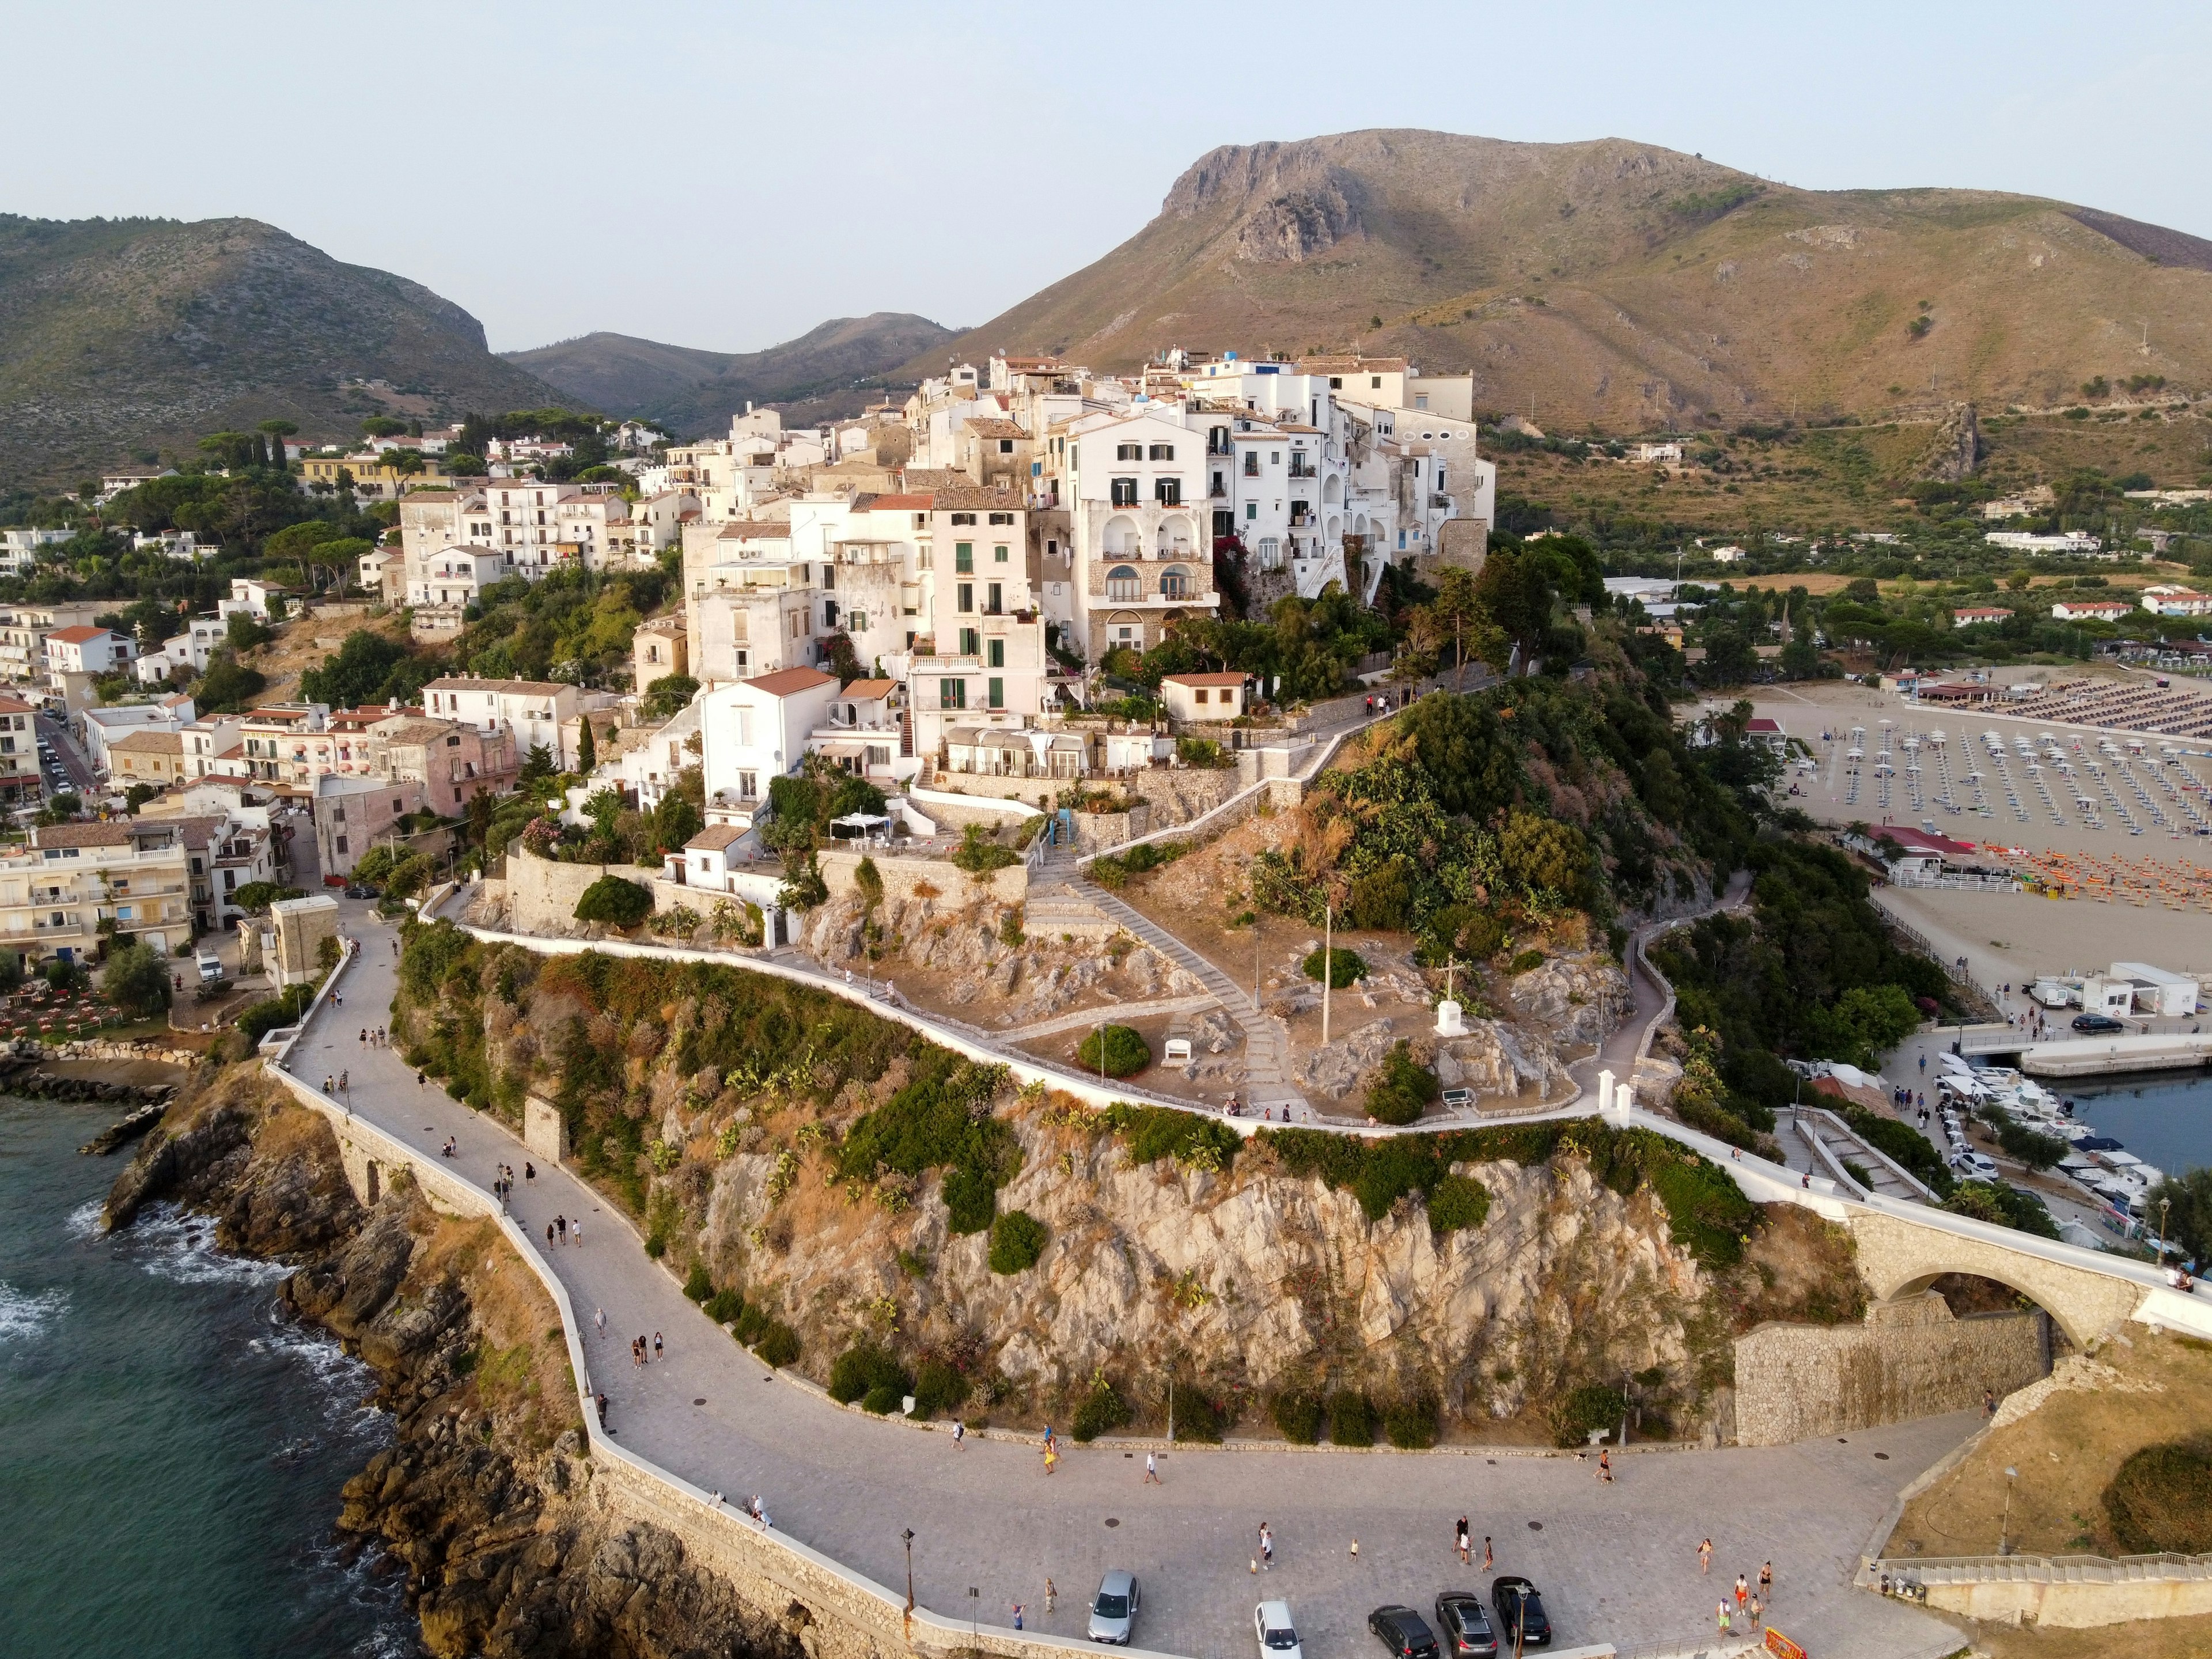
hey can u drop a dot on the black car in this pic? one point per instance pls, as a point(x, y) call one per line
point(1521, 1609)
point(1400, 1630)
point(355, 891)
point(1463, 1626)
point(2097, 1024)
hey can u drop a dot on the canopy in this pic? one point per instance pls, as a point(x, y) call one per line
point(860, 821)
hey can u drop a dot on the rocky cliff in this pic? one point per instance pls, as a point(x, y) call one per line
point(484, 1496)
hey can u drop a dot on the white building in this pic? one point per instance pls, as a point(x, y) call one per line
point(534, 711)
point(2027, 541)
point(18, 549)
point(751, 731)
point(83, 652)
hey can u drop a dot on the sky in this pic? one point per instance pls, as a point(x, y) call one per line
point(728, 176)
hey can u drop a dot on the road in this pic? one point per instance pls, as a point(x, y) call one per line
point(1615, 1563)
point(72, 757)
point(1647, 997)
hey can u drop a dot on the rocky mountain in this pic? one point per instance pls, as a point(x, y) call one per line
point(1631, 286)
point(829, 370)
point(120, 337)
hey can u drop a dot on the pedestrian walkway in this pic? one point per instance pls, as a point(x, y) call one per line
point(847, 1484)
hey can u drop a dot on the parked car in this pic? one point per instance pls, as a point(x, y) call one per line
point(1278, 1636)
point(1463, 1626)
point(1402, 1632)
point(2098, 1025)
point(1113, 1609)
point(1976, 1166)
point(1520, 1613)
point(354, 890)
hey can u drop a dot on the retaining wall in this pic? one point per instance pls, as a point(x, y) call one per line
point(542, 894)
point(1909, 1360)
point(2079, 1592)
point(904, 878)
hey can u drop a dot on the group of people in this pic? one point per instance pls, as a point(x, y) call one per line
point(1463, 1542)
point(562, 1230)
point(372, 1036)
point(639, 1353)
point(1752, 1604)
point(502, 1180)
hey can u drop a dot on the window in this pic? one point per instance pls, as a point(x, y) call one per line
point(963, 518)
point(965, 597)
point(748, 786)
point(1174, 583)
point(1375, 383)
point(993, 599)
point(999, 554)
point(1251, 463)
point(1199, 696)
point(828, 613)
point(1123, 583)
point(994, 693)
point(1167, 492)
point(970, 641)
point(341, 843)
point(1128, 451)
point(963, 557)
point(1420, 400)
point(1336, 383)
point(998, 653)
point(1002, 518)
point(856, 621)
point(1124, 492)
point(1163, 451)
point(1006, 446)
point(1251, 510)
point(952, 694)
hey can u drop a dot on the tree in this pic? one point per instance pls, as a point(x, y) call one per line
point(259, 895)
point(587, 748)
point(136, 981)
point(357, 672)
point(615, 900)
point(675, 821)
point(1125, 1049)
point(245, 631)
point(536, 767)
point(227, 686)
point(668, 695)
point(137, 796)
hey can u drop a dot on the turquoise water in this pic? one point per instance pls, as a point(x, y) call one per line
point(172, 1447)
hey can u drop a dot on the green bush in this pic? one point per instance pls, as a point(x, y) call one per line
point(724, 1307)
point(2161, 1498)
point(979, 855)
point(884, 1399)
point(1351, 1420)
point(1102, 1412)
point(1411, 1424)
point(697, 1284)
point(938, 1387)
point(616, 902)
point(1525, 961)
point(1152, 1133)
point(277, 1012)
point(779, 1344)
point(1297, 1414)
point(1197, 1418)
point(136, 981)
point(971, 1198)
point(1126, 1051)
point(1457, 1202)
point(1201, 751)
point(863, 1367)
point(1343, 968)
point(1584, 1410)
point(1017, 1239)
point(868, 882)
point(1401, 1088)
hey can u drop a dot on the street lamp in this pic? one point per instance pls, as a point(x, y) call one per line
point(2003, 1526)
point(907, 1538)
point(2163, 1205)
point(975, 1617)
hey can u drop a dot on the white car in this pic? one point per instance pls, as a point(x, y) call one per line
point(1278, 1636)
point(1975, 1166)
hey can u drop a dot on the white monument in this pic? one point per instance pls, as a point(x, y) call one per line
point(1451, 1019)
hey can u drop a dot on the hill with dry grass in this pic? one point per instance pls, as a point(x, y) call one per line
point(122, 337)
point(1631, 287)
point(830, 370)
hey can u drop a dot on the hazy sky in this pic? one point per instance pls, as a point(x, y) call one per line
point(728, 176)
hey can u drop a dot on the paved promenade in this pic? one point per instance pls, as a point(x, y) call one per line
point(1615, 1563)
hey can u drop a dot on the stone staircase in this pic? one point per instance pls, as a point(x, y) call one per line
point(1266, 1047)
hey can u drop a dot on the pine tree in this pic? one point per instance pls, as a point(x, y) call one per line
point(588, 752)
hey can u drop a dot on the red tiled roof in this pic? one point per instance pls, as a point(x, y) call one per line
point(786, 682)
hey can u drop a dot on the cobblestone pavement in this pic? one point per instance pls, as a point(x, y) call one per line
point(1615, 1563)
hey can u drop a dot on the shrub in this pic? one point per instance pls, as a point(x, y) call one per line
point(616, 902)
point(979, 855)
point(1457, 1202)
point(1126, 1051)
point(1152, 1133)
point(724, 1307)
point(697, 1284)
point(938, 1387)
point(779, 1344)
point(263, 1018)
point(884, 1399)
point(971, 1197)
point(1345, 967)
point(1410, 1424)
point(1401, 1088)
point(1527, 960)
point(862, 1368)
point(1584, 1411)
point(136, 981)
point(1197, 1418)
point(802, 887)
point(1201, 751)
point(868, 882)
point(1351, 1420)
point(2161, 1498)
point(1113, 870)
point(1297, 1414)
point(1103, 1410)
point(1017, 1239)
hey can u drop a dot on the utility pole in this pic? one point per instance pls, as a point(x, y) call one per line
point(1327, 965)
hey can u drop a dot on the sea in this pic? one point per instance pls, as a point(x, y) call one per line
point(172, 1446)
point(2164, 1118)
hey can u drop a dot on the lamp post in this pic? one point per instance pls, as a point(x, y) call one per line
point(2004, 1526)
point(907, 1538)
point(1327, 965)
point(975, 1617)
point(2163, 1205)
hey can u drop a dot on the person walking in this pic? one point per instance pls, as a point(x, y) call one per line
point(1458, 1542)
point(1923, 1065)
point(599, 1319)
point(1051, 1459)
point(657, 1352)
point(959, 1442)
point(1743, 1592)
point(1017, 1615)
point(1152, 1471)
point(602, 1403)
point(1989, 1403)
point(418, 1080)
point(1704, 1558)
point(1355, 1549)
point(1486, 1557)
point(549, 1234)
point(560, 1227)
point(529, 1171)
point(1266, 1548)
point(1766, 1583)
point(576, 1233)
point(1604, 1468)
point(1721, 1616)
point(1051, 1595)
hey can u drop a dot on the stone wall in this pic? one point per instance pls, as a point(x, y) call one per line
point(1179, 793)
point(904, 878)
point(1911, 1359)
point(1096, 832)
point(542, 894)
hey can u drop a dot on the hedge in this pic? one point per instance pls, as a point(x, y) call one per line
point(615, 900)
point(1127, 1051)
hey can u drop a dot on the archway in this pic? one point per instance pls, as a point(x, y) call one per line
point(1120, 540)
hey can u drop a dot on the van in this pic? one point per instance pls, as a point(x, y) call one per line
point(211, 967)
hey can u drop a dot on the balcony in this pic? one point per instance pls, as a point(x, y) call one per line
point(1301, 467)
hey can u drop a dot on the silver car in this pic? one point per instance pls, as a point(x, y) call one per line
point(1113, 1609)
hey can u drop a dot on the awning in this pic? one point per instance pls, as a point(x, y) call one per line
point(844, 747)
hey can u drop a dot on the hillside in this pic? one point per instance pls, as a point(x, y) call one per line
point(1633, 287)
point(122, 336)
point(694, 394)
